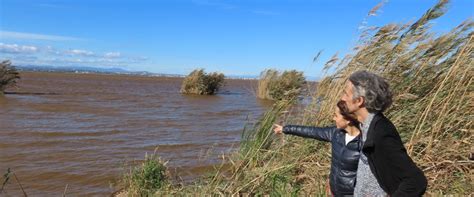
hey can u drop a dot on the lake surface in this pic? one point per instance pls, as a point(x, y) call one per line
point(80, 130)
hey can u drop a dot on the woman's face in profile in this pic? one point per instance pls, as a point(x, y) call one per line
point(341, 123)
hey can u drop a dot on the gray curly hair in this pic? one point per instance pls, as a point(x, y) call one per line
point(373, 88)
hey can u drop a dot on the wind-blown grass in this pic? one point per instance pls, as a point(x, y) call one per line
point(8, 75)
point(431, 77)
point(199, 82)
point(274, 85)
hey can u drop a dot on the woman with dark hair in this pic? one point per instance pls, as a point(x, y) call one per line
point(345, 140)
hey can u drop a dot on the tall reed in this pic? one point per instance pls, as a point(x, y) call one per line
point(274, 85)
point(431, 76)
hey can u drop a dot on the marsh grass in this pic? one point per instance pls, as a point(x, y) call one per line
point(275, 85)
point(431, 76)
point(199, 82)
point(8, 75)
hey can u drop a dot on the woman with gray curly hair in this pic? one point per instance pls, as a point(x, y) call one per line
point(384, 166)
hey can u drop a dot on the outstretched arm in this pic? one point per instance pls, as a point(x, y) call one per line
point(319, 133)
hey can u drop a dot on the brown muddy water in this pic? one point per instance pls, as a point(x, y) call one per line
point(80, 130)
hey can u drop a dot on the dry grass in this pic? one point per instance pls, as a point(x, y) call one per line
point(8, 75)
point(274, 85)
point(431, 77)
point(199, 82)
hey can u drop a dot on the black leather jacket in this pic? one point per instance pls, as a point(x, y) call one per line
point(344, 159)
point(393, 168)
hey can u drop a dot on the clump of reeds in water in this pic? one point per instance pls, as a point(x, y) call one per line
point(199, 82)
point(274, 85)
point(8, 75)
point(431, 76)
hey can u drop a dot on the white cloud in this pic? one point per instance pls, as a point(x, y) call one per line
point(14, 48)
point(31, 36)
point(72, 61)
point(138, 59)
point(79, 52)
point(112, 55)
point(49, 55)
point(51, 50)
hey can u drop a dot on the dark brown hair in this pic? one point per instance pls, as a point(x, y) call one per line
point(346, 115)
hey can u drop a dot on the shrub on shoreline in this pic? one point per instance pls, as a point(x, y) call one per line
point(8, 75)
point(273, 85)
point(147, 178)
point(199, 82)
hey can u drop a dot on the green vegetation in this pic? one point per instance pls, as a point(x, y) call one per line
point(146, 179)
point(198, 82)
point(431, 76)
point(274, 85)
point(8, 75)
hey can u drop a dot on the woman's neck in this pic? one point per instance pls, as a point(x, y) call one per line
point(352, 130)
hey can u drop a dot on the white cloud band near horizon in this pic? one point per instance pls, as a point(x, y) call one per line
point(30, 49)
point(49, 55)
point(15, 48)
point(33, 36)
point(79, 52)
point(112, 55)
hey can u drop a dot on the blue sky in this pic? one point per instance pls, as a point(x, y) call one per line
point(237, 37)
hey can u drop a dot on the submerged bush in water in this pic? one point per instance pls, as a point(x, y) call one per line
point(275, 86)
point(199, 82)
point(8, 75)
